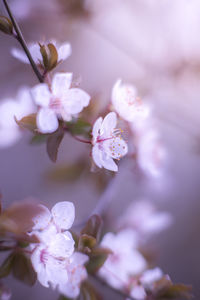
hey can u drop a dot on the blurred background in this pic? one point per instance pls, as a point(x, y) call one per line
point(153, 44)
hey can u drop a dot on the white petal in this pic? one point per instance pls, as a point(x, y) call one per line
point(96, 128)
point(47, 121)
point(35, 52)
point(108, 163)
point(62, 245)
point(64, 51)
point(138, 293)
point(79, 258)
point(61, 83)
point(42, 219)
point(75, 100)
point(41, 94)
point(96, 155)
point(63, 214)
point(109, 123)
point(26, 104)
point(9, 136)
point(20, 55)
point(150, 276)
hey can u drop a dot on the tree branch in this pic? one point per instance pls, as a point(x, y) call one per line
point(21, 40)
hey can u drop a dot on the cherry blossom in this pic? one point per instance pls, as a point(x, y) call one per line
point(143, 217)
point(51, 256)
point(64, 51)
point(76, 275)
point(10, 108)
point(58, 102)
point(125, 261)
point(107, 142)
point(127, 104)
point(151, 153)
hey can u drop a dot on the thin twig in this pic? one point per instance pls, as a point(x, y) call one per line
point(22, 42)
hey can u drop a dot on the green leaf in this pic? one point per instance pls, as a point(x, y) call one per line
point(53, 57)
point(39, 139)
point(28, 122)
point(79, 127)
point(49, 56)
point(18, 217)
point(53, 143)
point(93, 227)
point(98, 257)
point(177, 291)
point(86, 243)
point(6, 266)
point(6, 25)
point(22, 269)
point(88, 292)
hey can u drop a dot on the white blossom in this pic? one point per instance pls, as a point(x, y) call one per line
point(107, 142)
point(149, 277)
point(127, 104)
point(143, 217)
point(125, 260)
point(76, 275)
point(59, 101)
point(10, 108)
point(151, 154)
point(63, 50)
point(138, 292)
point(50, 257)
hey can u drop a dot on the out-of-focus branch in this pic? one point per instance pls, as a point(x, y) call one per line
point(22, 42)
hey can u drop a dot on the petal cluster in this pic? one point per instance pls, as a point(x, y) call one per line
point(107, 142)
point(60, 101)
point(54, 260)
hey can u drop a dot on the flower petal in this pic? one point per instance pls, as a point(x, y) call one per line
point(47, 121)
point(96, 155)
point(75, 100)
point(63, 214)
point(61, 245)
point(61, 83)
point(42, 220)
point(109, 124)
point(108, 163)
point(41, 94)
point(34, 49)
point(96, 128)
point(20, 55)
point(64, 51)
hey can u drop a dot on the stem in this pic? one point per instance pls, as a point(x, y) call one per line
point(81, 140)
point(21, 40)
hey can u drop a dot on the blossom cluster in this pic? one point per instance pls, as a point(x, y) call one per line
point(54, 258)
point(126, 268)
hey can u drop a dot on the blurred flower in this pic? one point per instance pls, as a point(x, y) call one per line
point(125, 260)
point(107, 142)
point(63, 50)
point(151, 154)
point(150, 276)
point(9, 109)
point(77, 273)
point(126, 102)
point(59, 102)
point(143, 217)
